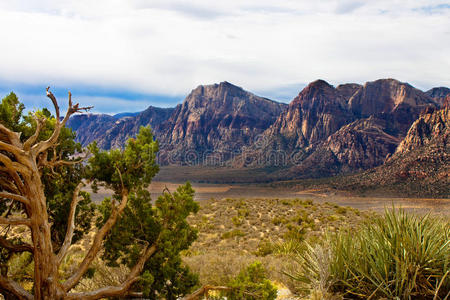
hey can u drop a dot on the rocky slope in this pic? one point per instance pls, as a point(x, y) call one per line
point(324, 131)
point(439, 94)
point(114, 131)
point(91, 127)
point(420, 164)
point(220, 118)
point(316, 113)
point(327, 131)
point(124, 128)
point(359, 145)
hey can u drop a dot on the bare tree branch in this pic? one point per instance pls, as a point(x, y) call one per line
point(13, 168)
point(14, 288)
point(44, 145)
point(15, 221)
point(14, 197)
point(32, 139)
point(96, 244)
point(121, 290)
point(70, 225)
point(13, 137)
point(23, 247)
point(11, 148)
point(55, 102)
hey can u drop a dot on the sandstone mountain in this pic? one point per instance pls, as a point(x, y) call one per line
point(439, 94)
point(91, 127)
point(316, 113)
point(327, 131)
point(421, 163)
point(220, 118)
point(324, 131)
point(114, 131)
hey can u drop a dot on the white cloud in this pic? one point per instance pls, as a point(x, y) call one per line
point(169, 47)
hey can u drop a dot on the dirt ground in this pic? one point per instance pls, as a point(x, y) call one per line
point(205, 191)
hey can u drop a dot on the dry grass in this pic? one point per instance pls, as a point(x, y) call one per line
point(236, 232)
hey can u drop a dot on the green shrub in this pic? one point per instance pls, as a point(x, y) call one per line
point(237, 220)
point(265, 248)
point(279, 220)
point(295, 232)
point(252, 283)
point(341, 210)
point(397, 255)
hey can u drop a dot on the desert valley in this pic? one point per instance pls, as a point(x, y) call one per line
point(226, 150)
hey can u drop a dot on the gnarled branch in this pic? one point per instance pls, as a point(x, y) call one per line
point(44, 145)
point(32, 139)
point(121, 290)
point(14, 137)
point(96, 244)
point(15, 221)
point(16, 197)
point(23, 247)
point(13, 168)
point(14, 288)
point(70, 225)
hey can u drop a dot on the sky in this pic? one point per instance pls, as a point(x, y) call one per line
point(124, 55)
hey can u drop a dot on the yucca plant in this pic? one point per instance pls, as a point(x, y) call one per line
point(398, 255)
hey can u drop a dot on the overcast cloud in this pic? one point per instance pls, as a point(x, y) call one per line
point(167, 48)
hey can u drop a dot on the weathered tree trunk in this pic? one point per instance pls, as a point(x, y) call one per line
point(46, 281)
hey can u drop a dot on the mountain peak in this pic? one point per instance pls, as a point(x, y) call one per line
point(319, 83)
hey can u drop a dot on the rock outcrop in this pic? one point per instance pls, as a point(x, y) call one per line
point(114, 131)
point(217, 119)
point(420, 164)
point(316, 113)
point(439, 94)
point(324, 131)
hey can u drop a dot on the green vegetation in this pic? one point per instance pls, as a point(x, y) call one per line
point(397, 255)
point(74, 239)
point(252, 283)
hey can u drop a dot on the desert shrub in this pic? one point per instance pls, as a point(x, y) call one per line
point(279, 220)
point(243, 212)
point(295, 232)
point(252, 283)
point(237, 220)
point(341, 210)
point(288, 247)
point(397, 255)
point(265, 247)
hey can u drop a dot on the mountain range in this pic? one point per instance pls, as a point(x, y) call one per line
point(324, 131)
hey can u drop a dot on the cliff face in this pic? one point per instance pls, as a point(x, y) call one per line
point(396, 102)
point(344, 129)
point(316, 113)
point(439, 94)
point(124, 128)
point(421, 163)
point(324, 131)
point(90, 127)
point(222, 118)
point(114, 131)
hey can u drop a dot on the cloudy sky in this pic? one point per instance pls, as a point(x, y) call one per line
point(123, 55)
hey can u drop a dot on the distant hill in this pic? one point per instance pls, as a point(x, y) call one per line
point(125, 114)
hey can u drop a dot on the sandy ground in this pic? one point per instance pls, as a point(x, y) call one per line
point(205, 191)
